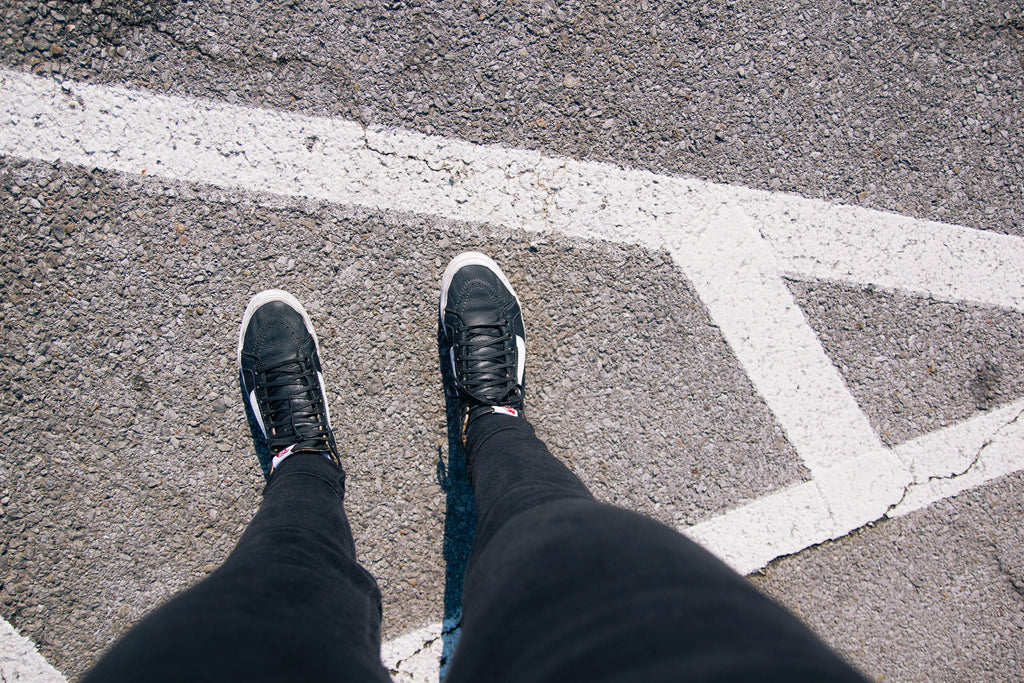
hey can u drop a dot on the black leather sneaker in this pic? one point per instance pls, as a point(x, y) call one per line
point(483, 338)
point(281, 380)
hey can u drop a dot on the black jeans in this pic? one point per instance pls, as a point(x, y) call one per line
point(559, 588)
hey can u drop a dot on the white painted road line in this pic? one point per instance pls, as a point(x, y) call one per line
point(20, 661)
point(736, 276)
point(415, 656)
point(733, 243)
point(817, 240)
point(948, 461)
point(943, 463)
point(335, 160)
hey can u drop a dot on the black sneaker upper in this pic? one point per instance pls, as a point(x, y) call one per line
point(483, 329)
point(282, 383)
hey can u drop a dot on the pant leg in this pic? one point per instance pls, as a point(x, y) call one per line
point(562, 588)
point(290, 603)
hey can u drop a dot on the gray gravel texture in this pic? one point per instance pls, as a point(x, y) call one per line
point(127, 471)
point(914, 107)
point(946, 582)
point(915, 365)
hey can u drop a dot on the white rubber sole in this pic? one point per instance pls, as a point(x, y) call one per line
point(470, 258)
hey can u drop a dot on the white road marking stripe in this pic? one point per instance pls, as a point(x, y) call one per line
point(854, 479)
point(414, 656)
point(20, 661)
point(954, 459)
point(817, 240)
point(943, 463)
point(735, 275)
point(237, 147)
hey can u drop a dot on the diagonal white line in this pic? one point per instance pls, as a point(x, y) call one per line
point(20, 661)
point(736, 276)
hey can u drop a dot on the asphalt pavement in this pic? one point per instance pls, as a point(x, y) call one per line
point(126, 468)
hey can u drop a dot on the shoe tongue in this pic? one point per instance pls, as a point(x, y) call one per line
point(271, 359)
point(484, 315)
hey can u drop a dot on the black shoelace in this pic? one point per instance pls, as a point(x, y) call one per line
point(298, 416)
point(485, 363)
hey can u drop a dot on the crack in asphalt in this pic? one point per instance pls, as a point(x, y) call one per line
point(974, 463)
point(397, 668)
point(445, 631)
point(457, 170)
point(452, 170)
